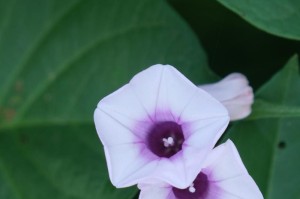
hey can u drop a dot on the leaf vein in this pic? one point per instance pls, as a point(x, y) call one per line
point(69, 63)
point(35, 46)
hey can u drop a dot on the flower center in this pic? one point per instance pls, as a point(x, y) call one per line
point(197, 190)
point(165, 139)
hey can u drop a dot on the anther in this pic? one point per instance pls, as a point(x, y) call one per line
point(168, 141)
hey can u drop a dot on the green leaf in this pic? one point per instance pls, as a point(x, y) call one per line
point(269, 139)
point(57, 60)
point(281, 18)
point(265, 109)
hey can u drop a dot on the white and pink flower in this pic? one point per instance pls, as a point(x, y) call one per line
point(158, 128)
point(223, 176)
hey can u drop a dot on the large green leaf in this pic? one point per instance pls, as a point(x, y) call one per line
point(57, 59)
point(269, 140)
point(277, 17)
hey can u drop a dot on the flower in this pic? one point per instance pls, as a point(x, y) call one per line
point(153, 128)
point(223, 176)
point(234, 93)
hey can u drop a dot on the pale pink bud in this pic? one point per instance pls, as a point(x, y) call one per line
point(234, 93)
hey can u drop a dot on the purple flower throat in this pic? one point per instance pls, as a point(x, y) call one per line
point(197, 190)
point(165, 139)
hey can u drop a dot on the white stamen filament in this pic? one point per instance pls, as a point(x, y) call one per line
point(192, 188)
point(168, 141)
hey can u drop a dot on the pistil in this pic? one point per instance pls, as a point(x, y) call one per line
point(192, 188)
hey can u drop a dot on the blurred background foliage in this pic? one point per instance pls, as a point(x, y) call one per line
point(269, 140)
point(232, 44)
point(59, 58)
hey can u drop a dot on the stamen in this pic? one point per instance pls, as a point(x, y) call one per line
point(192, 188)
point(168, 141)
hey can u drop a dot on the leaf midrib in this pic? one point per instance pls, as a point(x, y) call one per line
point(266, 109)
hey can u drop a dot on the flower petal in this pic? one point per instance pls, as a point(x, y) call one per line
point(167, 167)
point(240, 107)
point(237, 112)
point(125, 116)
point(124, 101)
point(205, 133)
point(240, 187)
point(129, 162)
point(175, 93)
point(227, 178)
point(228, 175)
point(164, 91)
point(162, 87)
point(146, 86)
point(123, 131)
point(230, 86)
point(203, 106)
point(157, 192)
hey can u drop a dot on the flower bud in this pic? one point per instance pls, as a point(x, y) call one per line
point(234, 93)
